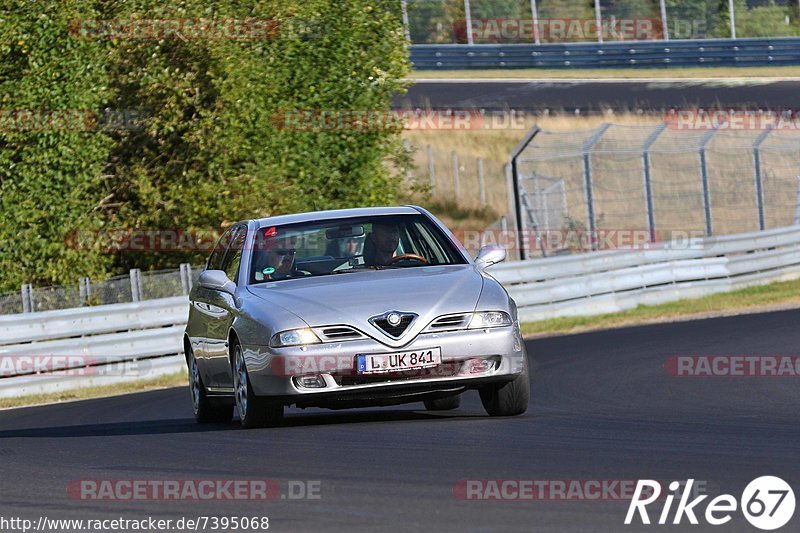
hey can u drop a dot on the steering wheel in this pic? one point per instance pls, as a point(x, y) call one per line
point(402, 257)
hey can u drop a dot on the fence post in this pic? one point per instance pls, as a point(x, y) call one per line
point(456, 191)
point(648, 185)
point(587, 182)
point(431, 169)
point(535, 15)
point(704, 181)
point(85, 290)
point(406, 25)
point(468, 16)
point(757, 175)
point(136, 285)
point(26, 293)
point(481, 183)
point(598, 20)
point(797, 204)
point(664, 20)
point(186, 277)
point(732, 19)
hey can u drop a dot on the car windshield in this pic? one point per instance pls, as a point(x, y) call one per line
point(338, 246)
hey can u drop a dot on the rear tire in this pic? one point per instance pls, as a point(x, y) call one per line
point(507, 399)
point(448, 403)
point(254, 411)
point(206, 410)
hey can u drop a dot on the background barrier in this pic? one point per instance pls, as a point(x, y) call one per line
point(638, 54)
point(124, 342)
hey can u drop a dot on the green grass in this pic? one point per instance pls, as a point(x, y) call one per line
point(622, 73)
point(750, 299)
point(171, 380)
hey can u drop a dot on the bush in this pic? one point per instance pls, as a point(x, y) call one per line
point(208, 147)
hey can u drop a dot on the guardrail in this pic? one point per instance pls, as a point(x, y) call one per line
point(633, 54)
point(611, 281)
point(122, 342)
point(53, 351)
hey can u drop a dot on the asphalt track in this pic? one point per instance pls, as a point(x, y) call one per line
point(591, 96)
point(603, 408)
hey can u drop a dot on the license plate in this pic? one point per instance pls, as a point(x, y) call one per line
point(399, 361)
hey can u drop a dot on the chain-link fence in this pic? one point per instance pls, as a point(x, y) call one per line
point(134, 287)
point(559, 21)
point(463, 180)
point(660, 181)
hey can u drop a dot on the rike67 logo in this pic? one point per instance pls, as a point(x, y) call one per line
point(767, 503)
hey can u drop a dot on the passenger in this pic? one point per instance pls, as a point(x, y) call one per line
point(275, 258)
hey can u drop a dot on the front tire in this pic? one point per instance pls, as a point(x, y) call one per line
point(254, 411)
point(507, 399)
point(206, 410)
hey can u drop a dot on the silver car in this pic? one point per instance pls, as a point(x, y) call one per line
point(350, 308)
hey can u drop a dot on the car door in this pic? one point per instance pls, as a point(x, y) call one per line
point(205, 306)
point(221, 312)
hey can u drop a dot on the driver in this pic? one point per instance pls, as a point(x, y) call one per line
point(381, 244)
point(275, 258)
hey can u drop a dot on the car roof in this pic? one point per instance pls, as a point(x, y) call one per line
point(336, 213)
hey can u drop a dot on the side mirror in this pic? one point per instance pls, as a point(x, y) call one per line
point(490, 255)
point(217, 280)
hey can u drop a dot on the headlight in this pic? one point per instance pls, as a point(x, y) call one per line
point(294, 337)
point(489, 319)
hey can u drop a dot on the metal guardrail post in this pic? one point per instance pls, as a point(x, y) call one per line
point(26, 293)
point(732, 19)
point(587, 181)
point(456, 180)
point(648, 185)
point(136, 285)
point(481, 183)
point(704, 177)
point(186, 277)
point(757, 175)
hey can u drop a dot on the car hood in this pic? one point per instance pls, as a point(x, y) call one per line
point(354, 298)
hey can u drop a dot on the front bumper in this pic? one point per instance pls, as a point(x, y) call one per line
point(275, 371)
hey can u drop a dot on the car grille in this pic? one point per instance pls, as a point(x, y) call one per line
point(339, 333)
point(394, 331)
point(449, 322)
